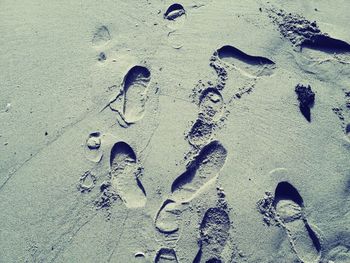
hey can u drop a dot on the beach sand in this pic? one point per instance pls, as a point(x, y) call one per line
point(158, 131)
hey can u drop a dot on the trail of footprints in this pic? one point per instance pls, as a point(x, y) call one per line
point(210, 157)
point(124, 183)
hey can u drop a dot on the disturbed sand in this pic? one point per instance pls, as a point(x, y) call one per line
point(159, 131)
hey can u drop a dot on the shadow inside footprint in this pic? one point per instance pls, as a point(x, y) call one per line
point(214, 232)
point(131, 102)
point(347, 132)
point(200, 171)
point(166, 255)
point(289, 208)
point(124, 172)
point(253, 66)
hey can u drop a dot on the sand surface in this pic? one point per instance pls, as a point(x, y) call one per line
point(155, 131)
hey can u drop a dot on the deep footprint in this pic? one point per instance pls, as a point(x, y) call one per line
point(176, 16)
point(200, 171)
point(166, 255)
point(124, 173)
point(289, 208)
point(131, 102)
point(214, 232)
point(253, 66)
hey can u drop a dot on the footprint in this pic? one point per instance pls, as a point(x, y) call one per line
point(326, 44)
point(176, 16)
point(175, 39)
point(93, 151)
point(168, 217)
point(210, 111)
point(131, 101)
point(214, 232)
point(124, 175)
point(166, 255)
point(306, 34)
point(101, 37)
point(200, 171)
point(200, 133)
point(339, 254)
point(211, 104)
point(87, 182)
point(252, 66)
point(289, 208)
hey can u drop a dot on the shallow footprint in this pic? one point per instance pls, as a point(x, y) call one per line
point(211, 104)
point(168, 217)
point(253, 66)
point(101, 36)
point(124, 172)
point(339, 254)
point(166, 255)
point(210, 111)
point(214, 232)
point(93, 151)
point(289, 207)
point(131, 102)
point(200, 171)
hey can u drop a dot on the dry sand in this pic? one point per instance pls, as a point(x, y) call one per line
point(154, 131)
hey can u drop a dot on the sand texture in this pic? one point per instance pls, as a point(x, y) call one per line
point(152, 131)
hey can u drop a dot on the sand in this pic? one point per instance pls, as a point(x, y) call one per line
point(159, 131)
